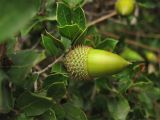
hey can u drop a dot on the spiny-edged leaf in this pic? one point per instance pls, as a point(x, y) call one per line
point(79, 18)
point(6, 100)
point(56, 41)
point(73, 113)
point(32, 104)
point(58, 68)
point(118, 107)
point(73, 3)
point(80, 39)
point(24, 117)
point(53, 79)
point(71, 32)
point(125, 78)
point(64, 15)
point(107, 44)
point(48, 115)
point(15, 15)
point(56, 90)
point(49, 45)
point(23, 61)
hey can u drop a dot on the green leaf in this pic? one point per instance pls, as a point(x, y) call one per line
point(23, 61)
point(57, 90)
point(48, 115)
point(73, 3)
point(56, 41)
point(53, 79)
point(81, 38)
point(23, 117)
point(58, 68)
point(71, 32)
point(73, 113)
point(10, 44)
point(33, 104)
point(79, 18)
point(66, 42)
point(64, 15)
point(118, 107)
point(142, 85)
point(27, 28)
point(125, 78)
point(15, 15)
point(146, 101)
point(6, 100)
point(49, 45)
point(107, 44)
point(59, 111)
point(29, 82)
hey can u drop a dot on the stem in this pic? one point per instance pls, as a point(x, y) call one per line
point(50, 65)
point(105, 17)
point(132, 42)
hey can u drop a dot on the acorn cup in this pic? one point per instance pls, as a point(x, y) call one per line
point(125, 7)
point(84, 63)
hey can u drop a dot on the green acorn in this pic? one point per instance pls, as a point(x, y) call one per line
point(84, 63)
point(151, 56)
point(125, 7)
point(131, 55)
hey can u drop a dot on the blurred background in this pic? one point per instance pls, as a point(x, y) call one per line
point(133, 94)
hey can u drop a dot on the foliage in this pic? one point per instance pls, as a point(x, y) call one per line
point(35, 36)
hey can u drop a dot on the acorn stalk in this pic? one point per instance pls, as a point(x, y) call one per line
point(84, 63)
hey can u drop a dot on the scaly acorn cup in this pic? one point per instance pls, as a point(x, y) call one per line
point(84, 63)
point(125, 7)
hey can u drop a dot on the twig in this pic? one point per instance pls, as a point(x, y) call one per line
point(37, 67)
point(132, 42)
point(142, 34)
point(36, 44)
point(102, 18)
point(50, 65)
